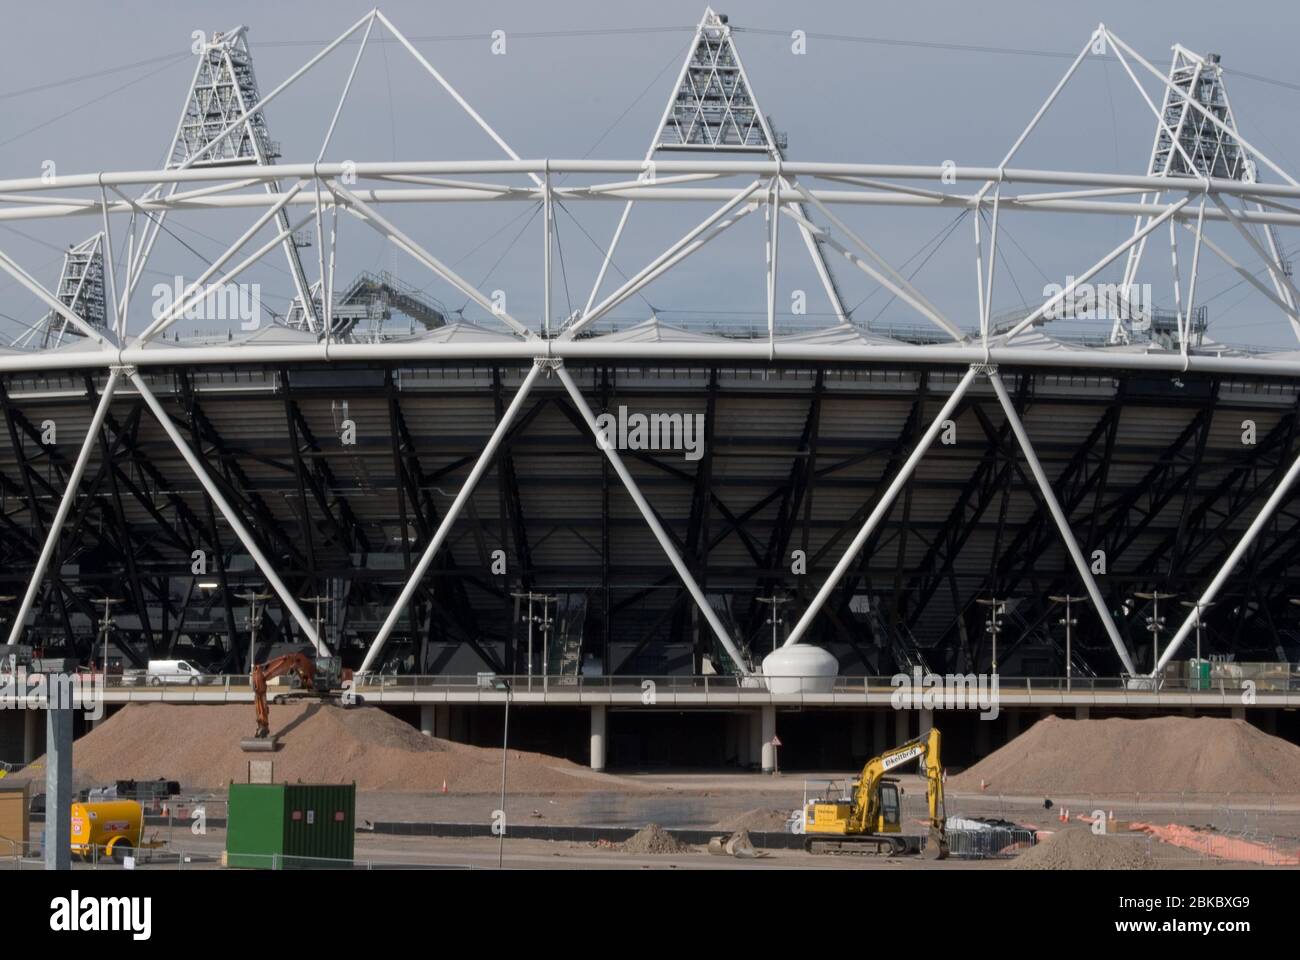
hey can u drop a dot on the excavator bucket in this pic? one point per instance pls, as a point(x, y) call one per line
point(936, 846)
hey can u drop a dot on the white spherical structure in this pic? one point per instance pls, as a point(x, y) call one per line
point(800, 668)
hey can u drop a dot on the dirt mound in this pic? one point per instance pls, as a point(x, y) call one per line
point(654, 839)
point(199, 746)
point(760, 820)
point(1161, 754)
point(1081, 849)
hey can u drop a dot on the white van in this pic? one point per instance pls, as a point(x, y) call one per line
point(171, 671)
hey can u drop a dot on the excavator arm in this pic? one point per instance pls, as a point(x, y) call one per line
point(866, 809)
point(278, 667)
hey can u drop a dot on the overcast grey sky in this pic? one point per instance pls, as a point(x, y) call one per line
point(928, 87)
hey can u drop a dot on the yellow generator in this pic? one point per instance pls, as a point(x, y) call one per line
point(107, 829)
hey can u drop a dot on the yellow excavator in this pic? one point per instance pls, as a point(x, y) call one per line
point(870, 820)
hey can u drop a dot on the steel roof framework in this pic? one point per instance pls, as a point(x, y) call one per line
point(780, 188)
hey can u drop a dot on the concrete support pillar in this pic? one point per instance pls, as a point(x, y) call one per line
point(902, 726)
point(767, 732)
point(927, 722)
point(1082, 712)
point(879, 724)
point(860, 742)
point(58, 789)
point(31, 735)
point(1239, 713)
point(983, 736)
point(598, 736)
point(427, 725)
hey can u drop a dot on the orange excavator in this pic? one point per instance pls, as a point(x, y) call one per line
point(314, 678)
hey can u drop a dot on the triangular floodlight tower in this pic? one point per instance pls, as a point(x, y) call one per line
point(81, 290)
point(1188, 144)
point(223, 90)
point(712, 109)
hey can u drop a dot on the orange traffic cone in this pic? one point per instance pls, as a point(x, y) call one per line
point(444, 785)
point(984, 784)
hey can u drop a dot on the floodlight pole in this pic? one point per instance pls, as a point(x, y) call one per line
point(1069, 622)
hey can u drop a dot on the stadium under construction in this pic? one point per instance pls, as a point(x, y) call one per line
point(632, 529)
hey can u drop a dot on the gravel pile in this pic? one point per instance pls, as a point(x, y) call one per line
point(654, 839)
point(199, 746)
point(1162, 754)
point(1081, 849)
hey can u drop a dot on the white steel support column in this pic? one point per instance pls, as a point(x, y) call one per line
point(548, 229)
point(1062, 522)
point(232, 517)
point(1261, 520)
point(652, 521)
point(449, 518)
point(65, 505)
point(882, 508)
point(768, 721)
point(774, 211)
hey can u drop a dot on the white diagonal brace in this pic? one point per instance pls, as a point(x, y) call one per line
point(652, 521)
point(1281, 282)
point(1261, 520)
point(463, 103)
point(232, 517)
point(54, 303)
point(449, 518)
point(897, 284)
point(65, 505)
point(882, 508)
point(694, 239)
point(1097, 267)
point(178, 308)
point(1062, 522)
point(368, 215)
point(1247, 275)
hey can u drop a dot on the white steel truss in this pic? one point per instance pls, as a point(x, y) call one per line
point(1201, 174)
point(712, 109)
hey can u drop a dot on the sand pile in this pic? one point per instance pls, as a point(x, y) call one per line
point(319, 743)
point(654, 839)
point(760, 820)
point(1081, 849)
point(1161, 754)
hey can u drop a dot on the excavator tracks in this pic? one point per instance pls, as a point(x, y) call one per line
point(894, 845)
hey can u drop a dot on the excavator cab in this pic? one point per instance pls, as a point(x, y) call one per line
point(891, 819)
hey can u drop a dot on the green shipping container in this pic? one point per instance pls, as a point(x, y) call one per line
point(291, 826)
